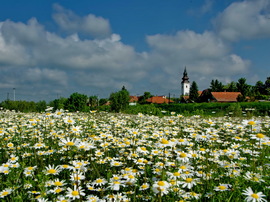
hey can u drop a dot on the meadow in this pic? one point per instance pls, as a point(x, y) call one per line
point(100, 156)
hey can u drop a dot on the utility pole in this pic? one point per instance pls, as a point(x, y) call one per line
point(14, 93)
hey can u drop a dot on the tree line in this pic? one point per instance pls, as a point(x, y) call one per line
point(119, 101)
point(260, 91)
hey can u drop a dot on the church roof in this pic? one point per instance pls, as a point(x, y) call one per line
point(226, 96)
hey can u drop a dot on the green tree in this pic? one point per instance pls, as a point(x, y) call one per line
point(119, 100)
point(103, 101)
point(93, 101)
point(76, 102)
point(230, 87)
point(216, 86)
point(267, 86)
point(146, 95)
point(243, 88)
point(58, 103)
point(193, 93)
point(41, 106)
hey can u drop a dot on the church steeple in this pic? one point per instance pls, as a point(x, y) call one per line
point(185, 76)
point(185, 83)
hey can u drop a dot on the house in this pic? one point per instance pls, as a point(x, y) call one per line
point(208, 96)
point(159, 100)
point(133, 100)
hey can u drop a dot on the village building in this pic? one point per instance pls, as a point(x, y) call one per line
point(205, 95)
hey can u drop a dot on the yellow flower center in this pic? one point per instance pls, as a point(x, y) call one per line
point(52, 171)
point(164, 141)
point(58, 183)
point(161, 183)
point(144, 186)
point(256, 196)
point(99, 180)
point(74, 193)
point(70, 143)
point(183, 155)
point(251, 123)
point(260, 135)
point(183, 167)
point(58, 190)
point(189, 180)
point(176, 174)
point(4, 193)
point(222, 187)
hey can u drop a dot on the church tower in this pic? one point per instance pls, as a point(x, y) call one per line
point(185, 83)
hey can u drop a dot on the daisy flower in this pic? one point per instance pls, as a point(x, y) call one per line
point(52, 170)
point(144, 186)
point(253, 197)
point(68, 120)
point(223, 187)
point(75, 193)
point(188, 182)
point(161, 187)
point(58, 183)
point(5, 192)
point(99, 182)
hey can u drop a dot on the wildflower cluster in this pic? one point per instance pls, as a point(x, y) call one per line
point(60, 156)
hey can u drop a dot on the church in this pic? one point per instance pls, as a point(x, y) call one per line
point(185, 84)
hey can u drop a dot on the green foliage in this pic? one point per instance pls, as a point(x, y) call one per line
point(77, 102)
point(193, 94)
point(234, 110)
point(243, 87)
point(149, 109)
point(41, 106)
point(103, 101)
point(24, 106)
point(58, 103)
point(93, 102)
point(216, 86)
point(146, 95)
point(230, 87)
point(119, 100)
point(218, 109)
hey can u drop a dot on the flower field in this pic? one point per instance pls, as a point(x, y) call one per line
point(61, 156)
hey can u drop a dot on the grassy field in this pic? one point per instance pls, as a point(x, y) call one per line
point(60, 156)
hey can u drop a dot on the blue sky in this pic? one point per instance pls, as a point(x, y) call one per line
point(54, 48)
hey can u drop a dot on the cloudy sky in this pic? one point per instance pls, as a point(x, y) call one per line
point(51, 48)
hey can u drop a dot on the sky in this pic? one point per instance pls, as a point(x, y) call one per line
point(51, 49)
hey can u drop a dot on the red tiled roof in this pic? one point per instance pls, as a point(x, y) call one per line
point(133, 99)
point(226, 96)
point(158, 100)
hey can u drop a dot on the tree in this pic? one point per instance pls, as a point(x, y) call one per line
point(230, 87)
point(93, 101)
point(103, 101)
point(76, 102)
point(119, 100)
point(146, 95)
point(243, 88)
point(267, 86)
point(41, 106)
point(58, 103)
point(216, 86)
point(193, 93)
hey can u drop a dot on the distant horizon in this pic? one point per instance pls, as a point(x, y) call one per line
point(51, 48)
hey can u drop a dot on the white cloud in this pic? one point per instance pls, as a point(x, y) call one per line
point(205, 56)
point(90, 25)
point(244, 20)
point(34, 57)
